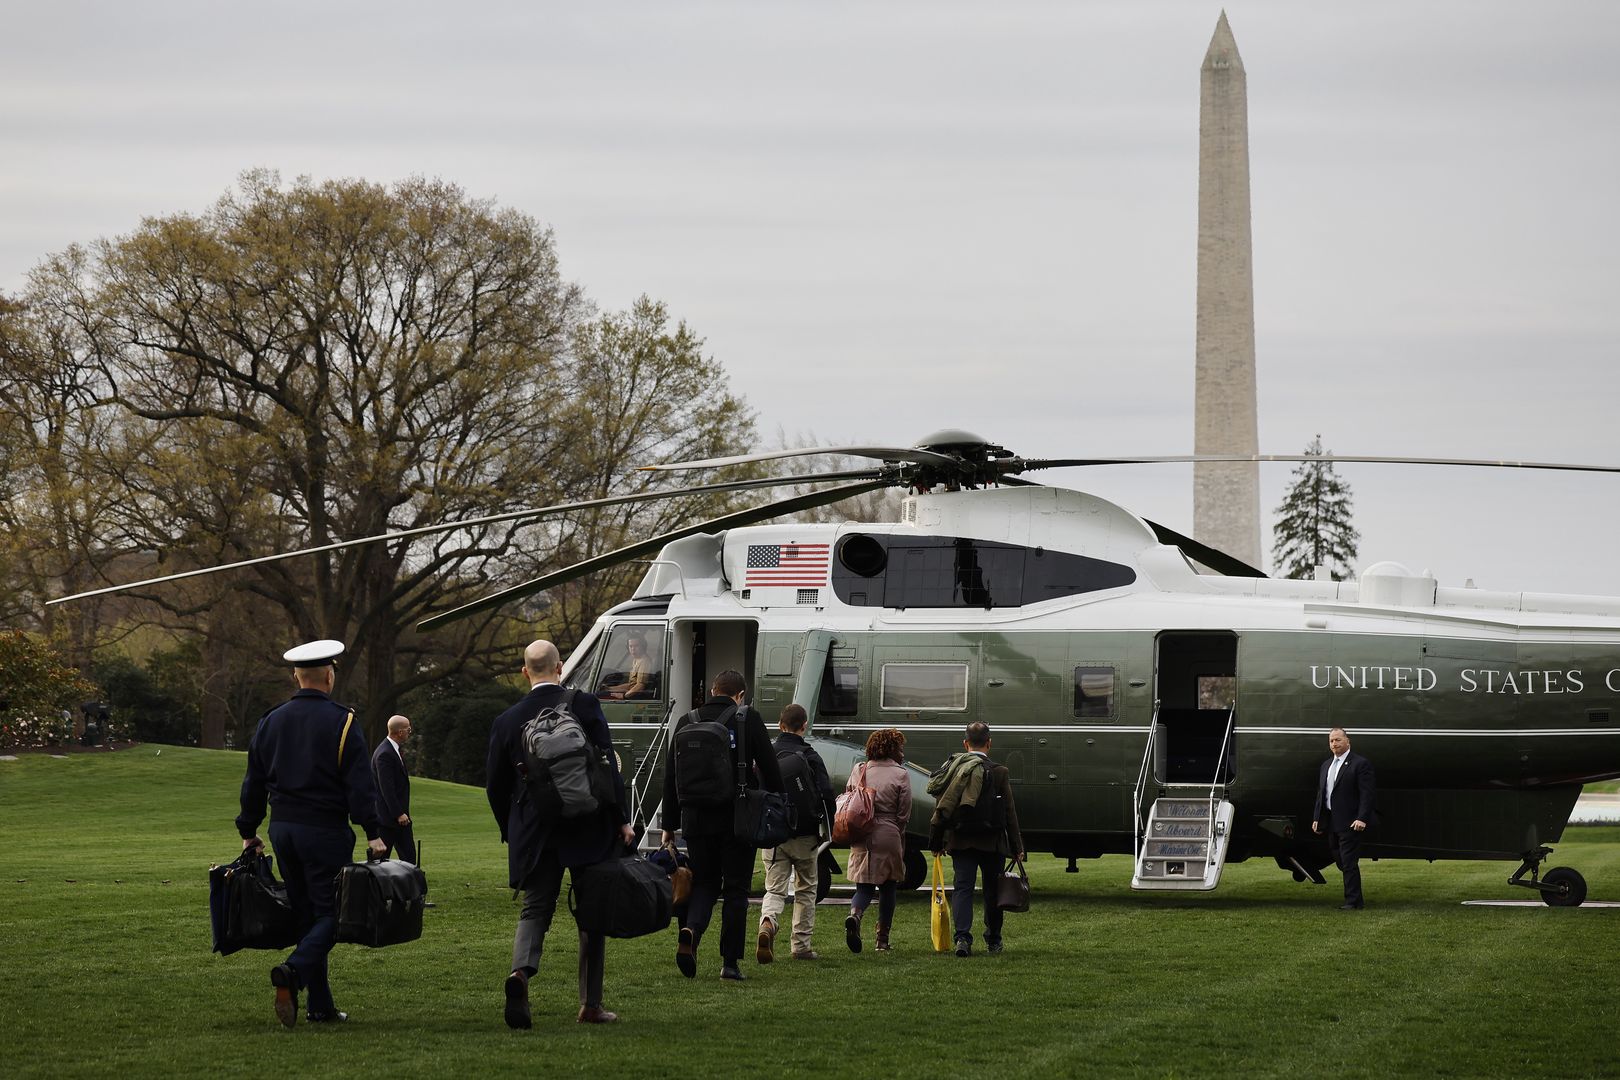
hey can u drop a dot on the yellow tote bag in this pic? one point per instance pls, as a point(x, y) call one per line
point(941, 926)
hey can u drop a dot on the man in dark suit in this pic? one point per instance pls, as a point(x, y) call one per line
point(722, 864)
point(308, 760)
point(537, 849)
point(1346, 803)
point(394, 789)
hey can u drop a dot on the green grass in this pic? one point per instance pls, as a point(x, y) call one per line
point(104, 939)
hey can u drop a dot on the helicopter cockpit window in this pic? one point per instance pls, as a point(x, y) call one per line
point(1094, 692)
point(840, 691)
point(925, 686)
point(634, 665)
point(582, 671)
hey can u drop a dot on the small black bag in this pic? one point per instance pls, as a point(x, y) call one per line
point(761, 818)
point(1012, 891)
point(248, 907)
point(623, 896)
point(380, 902)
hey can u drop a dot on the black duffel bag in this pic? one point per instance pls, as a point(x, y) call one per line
point(380, 902)
point(248, 907)
point(761, 818)
point(623, 896)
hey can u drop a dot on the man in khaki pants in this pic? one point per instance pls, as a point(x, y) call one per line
point(804, 777)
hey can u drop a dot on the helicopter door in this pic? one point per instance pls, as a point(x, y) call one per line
point(702, 649)
point(1197, 693)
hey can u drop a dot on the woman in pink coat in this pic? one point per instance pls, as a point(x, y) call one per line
point(877, 861)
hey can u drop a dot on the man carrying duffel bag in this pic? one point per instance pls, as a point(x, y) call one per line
point(308, 759)
point(554, 787)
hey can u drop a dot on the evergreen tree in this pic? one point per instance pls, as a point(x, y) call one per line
point(1313, 522)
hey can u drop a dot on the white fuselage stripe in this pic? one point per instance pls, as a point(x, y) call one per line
point(1121, 729)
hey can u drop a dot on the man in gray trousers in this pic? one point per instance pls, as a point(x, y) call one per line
point(538, 850)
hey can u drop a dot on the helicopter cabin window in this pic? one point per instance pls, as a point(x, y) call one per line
point(840, 691)
point(925, 686)
point(880, 570)
point(1094, 692)
point(1217, 691)
point(633, 668)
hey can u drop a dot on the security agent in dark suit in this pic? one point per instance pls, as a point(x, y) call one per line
point(722, 865)
point(537, 851)
point(1346, 802)
point(394, 789)
point(308, 758)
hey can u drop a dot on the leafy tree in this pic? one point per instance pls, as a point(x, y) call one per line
point(39, 695)
point(451, 720)
point(309, 363)
point(1313, 522)
point(159, 701)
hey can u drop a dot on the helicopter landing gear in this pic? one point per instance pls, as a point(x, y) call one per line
point(1301, 871)
point(1559, 887)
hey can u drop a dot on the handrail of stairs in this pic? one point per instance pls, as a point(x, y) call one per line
point(1217, 785)
point(1141, 782)
point(648, 763)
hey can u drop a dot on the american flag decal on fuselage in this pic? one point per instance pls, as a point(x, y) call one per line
point(788, 565)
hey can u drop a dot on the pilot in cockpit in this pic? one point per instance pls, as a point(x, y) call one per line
point(638, 679)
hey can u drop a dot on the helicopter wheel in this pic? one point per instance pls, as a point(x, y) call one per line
point(916, 870)
point(1570, 887)
point(823, 886)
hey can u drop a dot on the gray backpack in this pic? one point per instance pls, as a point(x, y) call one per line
point(560, 763)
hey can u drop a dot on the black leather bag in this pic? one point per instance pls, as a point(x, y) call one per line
point(761, 818)
point(248, 907)
point(380, 902)
point(1012, 891)
point(623, 896)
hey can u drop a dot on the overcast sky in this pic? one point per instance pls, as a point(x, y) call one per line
point(887, 219)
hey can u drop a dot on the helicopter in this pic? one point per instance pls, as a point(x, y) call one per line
point(1150, 695)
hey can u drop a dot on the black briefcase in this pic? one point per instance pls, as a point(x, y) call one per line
point(380, 902)
point(623, 896)
point(248, 907)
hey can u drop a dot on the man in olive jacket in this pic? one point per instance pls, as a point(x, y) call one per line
point(722, 864)
point(976, 851)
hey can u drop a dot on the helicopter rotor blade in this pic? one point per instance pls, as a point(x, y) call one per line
point(880, 453)
point(1214, 558)
point(492, 519)
point(642, 547)
point(1019, 465)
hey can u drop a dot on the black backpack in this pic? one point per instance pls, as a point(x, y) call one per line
point(799, 781)
point(703, 773)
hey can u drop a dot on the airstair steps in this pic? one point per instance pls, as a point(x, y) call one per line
point(1185, 842)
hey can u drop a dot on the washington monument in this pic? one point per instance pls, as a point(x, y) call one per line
point(1226, 496)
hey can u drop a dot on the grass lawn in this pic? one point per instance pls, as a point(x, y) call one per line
point(104, 934)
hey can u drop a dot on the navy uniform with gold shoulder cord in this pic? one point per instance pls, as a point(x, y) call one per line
point(308, 758)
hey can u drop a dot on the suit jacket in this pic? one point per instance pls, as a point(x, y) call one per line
point(1355, 794)
point(578, 842)
point(393, 784)
point(712, 820)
